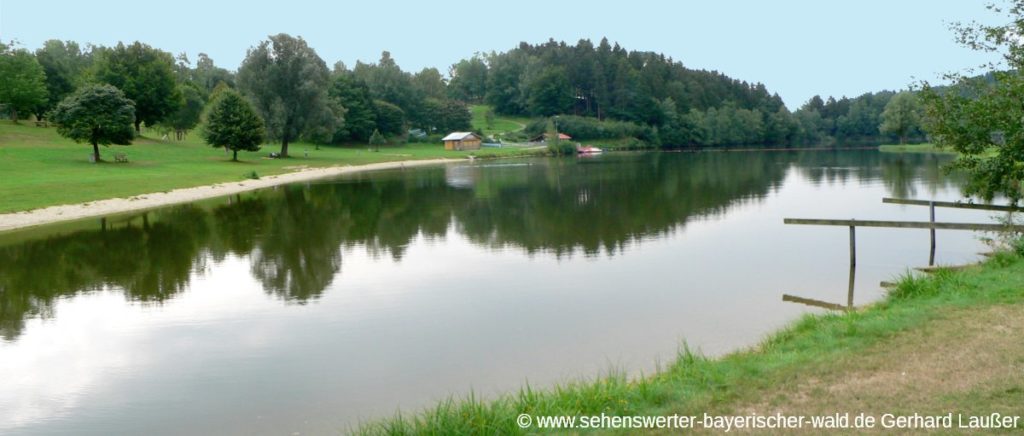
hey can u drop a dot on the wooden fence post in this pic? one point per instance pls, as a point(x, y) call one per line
point(853, 247)
point(931, 219)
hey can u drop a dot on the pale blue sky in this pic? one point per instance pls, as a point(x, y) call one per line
point(796, 48)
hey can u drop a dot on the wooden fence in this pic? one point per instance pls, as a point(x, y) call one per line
point(931, 225)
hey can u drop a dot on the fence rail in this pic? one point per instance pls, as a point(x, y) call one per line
point(953, 204)
point(905, 224)
point(930, 225)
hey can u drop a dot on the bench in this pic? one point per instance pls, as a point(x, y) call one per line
point(120, 158)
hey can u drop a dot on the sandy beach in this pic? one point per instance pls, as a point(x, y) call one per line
point(68, 212)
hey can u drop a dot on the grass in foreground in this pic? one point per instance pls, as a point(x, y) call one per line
point(40, 168)
point(951, 342)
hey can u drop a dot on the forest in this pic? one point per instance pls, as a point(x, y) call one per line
point(666, 103)
point(591, 92)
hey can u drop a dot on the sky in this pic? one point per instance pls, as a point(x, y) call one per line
point(796, 48)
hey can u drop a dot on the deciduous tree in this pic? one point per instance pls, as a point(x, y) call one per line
point(145, 75)
point(982, 118)
point(550, 93)
point(377, 140)
point(65, 64)
point(188, 113)
point(232, 123)
point(360, 118)
point(96, 114)
point(469, 79)
point(390, 118)
point(901, 115)
point(22, 82)
point(288, 82)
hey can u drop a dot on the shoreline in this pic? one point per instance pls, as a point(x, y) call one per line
point(70, 212)
point(905, 352)
point(12, 221)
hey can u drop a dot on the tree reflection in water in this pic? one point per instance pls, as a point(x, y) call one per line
point(294, 236)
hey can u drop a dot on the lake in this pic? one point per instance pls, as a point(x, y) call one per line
point(310, 307)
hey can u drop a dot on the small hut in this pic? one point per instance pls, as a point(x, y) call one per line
point(461, 141)
point(543, 137)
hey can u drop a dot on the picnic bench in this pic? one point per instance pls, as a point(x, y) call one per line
point(120, 158)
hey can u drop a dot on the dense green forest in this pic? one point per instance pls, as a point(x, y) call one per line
point(588, 91)
point(666, 103)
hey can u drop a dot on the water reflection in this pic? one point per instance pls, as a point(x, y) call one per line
point(293, 237)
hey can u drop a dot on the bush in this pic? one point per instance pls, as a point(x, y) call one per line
point(518, 136)
point(562, 148)
point(536, 127)
point(585, 128)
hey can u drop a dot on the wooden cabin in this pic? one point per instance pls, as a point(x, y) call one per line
point(462, 141)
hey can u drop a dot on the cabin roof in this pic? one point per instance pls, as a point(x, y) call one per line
point(542, 136)
point(458, 136)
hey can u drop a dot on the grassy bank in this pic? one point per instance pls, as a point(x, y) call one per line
point(951, 342)
point(499, 123)
point(913, 148)
point(40, 168)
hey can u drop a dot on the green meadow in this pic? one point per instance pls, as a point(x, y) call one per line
point(40, 168)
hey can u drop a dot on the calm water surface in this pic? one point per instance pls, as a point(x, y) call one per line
point(310, 307)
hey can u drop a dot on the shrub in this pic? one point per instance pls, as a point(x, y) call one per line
point(585, 128)
point(562, 148)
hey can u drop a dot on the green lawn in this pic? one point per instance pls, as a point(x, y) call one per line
point(40, 168)
point(501, 123)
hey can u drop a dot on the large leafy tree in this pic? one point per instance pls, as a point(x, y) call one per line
point(982, 118)
point(22, 82)
point(65, 64)
point(388, 82)
point(429, 83)
point(901, 116)
point(189, 110)
point(288, 82)
point(550, 93)
point(503, 90)
point(390, 118)
point(446, 115)
point(145, 75)
point(360, 117)
point(96, 114)
point(232, 123)
point(469, 79)
point(208, 76)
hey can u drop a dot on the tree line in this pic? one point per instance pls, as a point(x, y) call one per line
point(283, 79)
point(599, 91)
point(669, 104)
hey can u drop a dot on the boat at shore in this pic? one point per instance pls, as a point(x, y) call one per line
point(588, 149)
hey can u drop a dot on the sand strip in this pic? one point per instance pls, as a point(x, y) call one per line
point(68, 212)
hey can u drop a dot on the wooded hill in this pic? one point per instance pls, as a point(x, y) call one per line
point(598, 91)
point(675, 105)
